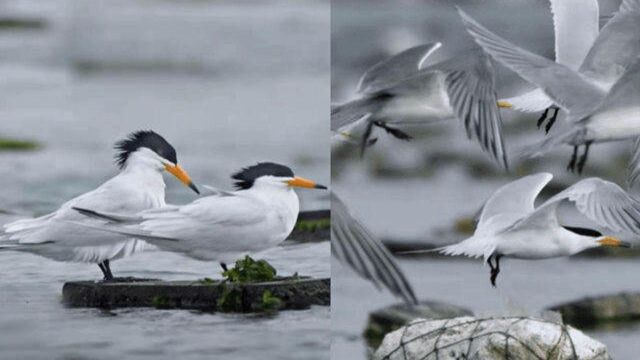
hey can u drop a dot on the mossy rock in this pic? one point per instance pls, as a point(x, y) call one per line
point(17, 145)
point(312, 226)
point(248, 270)
point(607, 311)
point(281, 293)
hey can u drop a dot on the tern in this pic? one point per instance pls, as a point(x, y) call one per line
point(141, 157)
point(462, 87)
point(354, 246)
point(576, 26)
point(511, 226)
point(258, 215)
point(596, 111)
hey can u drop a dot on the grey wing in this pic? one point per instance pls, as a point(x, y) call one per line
point(353, 245)
point(624, 94)
point(565, 87)
point(472, 96)
point(633, 172)
point(605, 203)
point(352, 111)
point(617, 45)
point(396, 68)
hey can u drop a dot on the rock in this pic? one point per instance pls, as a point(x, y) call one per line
point(602, 311)
point(312, 226)
point(207, 294)
point(385, 320)
point(489, 338)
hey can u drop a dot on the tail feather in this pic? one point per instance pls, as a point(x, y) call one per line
point(473, 247)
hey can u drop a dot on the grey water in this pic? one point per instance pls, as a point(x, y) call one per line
point(416, 191)
point(228, 84)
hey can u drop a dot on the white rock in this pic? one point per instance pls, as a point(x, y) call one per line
point(489, 338)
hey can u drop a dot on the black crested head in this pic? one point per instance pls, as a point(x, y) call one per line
point(247, 176)
point(144, 138)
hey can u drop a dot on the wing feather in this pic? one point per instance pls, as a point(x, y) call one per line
point(396, 68)
point(353, 245)
point(516, 197)
point(565, 87)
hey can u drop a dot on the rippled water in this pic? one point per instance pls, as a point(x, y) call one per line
point(227, 85)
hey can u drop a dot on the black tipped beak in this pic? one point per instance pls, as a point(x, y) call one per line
point(193, 187)
point(318, 186)
point(625, 244)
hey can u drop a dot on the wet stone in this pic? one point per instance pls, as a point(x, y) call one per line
point(602, 311)
point(312, 226)
point(206, 295)
point(388, 319)
point(489, 338)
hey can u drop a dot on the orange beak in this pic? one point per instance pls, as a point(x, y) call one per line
point(305, 183)
point(611, 241)
point(504, 104)
point(182, 175)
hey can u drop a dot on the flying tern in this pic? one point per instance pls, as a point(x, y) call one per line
point(462, 87)
point(596, 111)
point(258, 215)
point(141, 157)
point(576, 26)
point(511, 226)
point(354, 246)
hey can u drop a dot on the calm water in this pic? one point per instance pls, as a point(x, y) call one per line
point(406, 191)
point(228, 86)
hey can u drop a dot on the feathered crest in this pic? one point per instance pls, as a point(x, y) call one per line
point(247, 176)
point(144, 138)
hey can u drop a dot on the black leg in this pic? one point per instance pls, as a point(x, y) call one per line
point(106, 271)
point(495, 271)
point(397, 133)
point(572, 164)
point(108, 268)
point(552, 120)
point(542, 118)
point(224, 266)
point(583, 159)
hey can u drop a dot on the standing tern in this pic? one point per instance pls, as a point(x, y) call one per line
point(596, 112)
point(222, 226)
point(511, 226)
point(462, 87)
point(142, 157)
point(354, 245)
point(576, 25)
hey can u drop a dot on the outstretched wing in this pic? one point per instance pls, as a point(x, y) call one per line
point(576, 26)
point(396, 68)
point(515, 198)
point(353, 245)
point(616, 47)
point(603, 202)
point(470, 86)
point(565, 87)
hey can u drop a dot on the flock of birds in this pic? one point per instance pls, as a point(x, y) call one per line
point(121, 216)
point(594, 83)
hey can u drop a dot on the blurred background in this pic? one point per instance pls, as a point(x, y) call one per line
point(228, 83)
point(425, 192)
